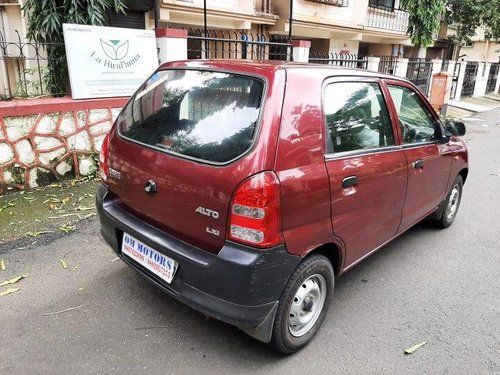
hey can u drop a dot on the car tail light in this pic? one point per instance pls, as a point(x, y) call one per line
point(103, 159)
point(255, 217)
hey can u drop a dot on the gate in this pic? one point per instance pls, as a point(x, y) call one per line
point(419, 73)
point(223, 44)
point(492, 77)
point(351, 60)
point(470, 78)
point(454, 80)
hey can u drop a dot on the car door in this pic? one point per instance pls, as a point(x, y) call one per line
point(366, 167)
point(428, 158)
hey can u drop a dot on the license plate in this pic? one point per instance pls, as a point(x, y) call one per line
point(161, 265)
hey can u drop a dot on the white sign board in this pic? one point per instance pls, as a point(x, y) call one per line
point(108, 61)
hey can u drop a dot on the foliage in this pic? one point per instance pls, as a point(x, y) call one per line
point(468, 15)
point(424, 20)
point(46, 18)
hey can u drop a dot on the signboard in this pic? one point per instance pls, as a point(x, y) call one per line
point(108, 61)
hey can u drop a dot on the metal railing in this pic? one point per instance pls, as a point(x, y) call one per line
point(223, 44)
point(351, 60)
point(419, 73)
point(388, 64)
point(395, 20)
point(25, 69)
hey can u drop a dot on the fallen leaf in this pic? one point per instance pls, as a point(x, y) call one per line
point(62, 311)
point(67, 228)
point(414, 348)
point(114, 260)
point(2, 265)
point(84, 208)
point(9, 291)
point(65, 200)
point(63, 263)
point(14, 280)
point(88, 216)
point(54, 206)
point(7, 205)
point(36, 234)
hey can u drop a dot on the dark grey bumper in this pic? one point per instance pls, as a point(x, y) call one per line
point(239, 285)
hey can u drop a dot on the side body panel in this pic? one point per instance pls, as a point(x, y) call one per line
point(300, 165)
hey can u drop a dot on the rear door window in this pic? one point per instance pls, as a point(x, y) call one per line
point(357, 116)
point(204, 115)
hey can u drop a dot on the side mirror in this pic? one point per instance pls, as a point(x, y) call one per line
point(454, 127)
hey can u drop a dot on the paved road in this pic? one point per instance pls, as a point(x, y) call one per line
point(442, 287)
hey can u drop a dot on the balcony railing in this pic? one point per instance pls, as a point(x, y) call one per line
point(395, 20)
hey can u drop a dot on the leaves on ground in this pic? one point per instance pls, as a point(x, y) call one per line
point(414, 348)
point(14, 280)
point(9, 291)
point(63, 263)
point(66, 228)
point(2, 265)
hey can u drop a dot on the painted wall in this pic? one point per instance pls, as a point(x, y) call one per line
point(343, 46)
point(482, 51)
point(39, 148)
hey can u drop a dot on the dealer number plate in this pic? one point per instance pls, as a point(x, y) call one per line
point(161, 265)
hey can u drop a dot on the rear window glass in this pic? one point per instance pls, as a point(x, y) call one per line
point(199, 114)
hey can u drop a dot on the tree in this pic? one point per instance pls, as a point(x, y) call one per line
point(424, 20)
point(45, 20)
point(468, 15)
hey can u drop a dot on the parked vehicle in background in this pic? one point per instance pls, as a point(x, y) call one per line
point(242, 188)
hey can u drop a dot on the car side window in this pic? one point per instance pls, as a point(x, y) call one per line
point(357, 116)
point(415, 120)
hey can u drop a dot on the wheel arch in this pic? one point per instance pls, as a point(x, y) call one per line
point(464, 173)
point(333, 253)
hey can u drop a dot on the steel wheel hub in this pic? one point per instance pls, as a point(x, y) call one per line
point(452, 206)
point(307, 305)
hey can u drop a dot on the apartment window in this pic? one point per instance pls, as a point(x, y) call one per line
point(382, 4)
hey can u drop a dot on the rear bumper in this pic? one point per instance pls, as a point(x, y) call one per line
point(239, 285)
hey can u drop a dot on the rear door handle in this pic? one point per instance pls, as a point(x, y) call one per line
point(349, 181)
point(418, 164)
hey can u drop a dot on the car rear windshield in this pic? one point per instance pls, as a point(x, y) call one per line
point(205, 115)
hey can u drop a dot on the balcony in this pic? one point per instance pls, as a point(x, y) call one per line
point(387, 19)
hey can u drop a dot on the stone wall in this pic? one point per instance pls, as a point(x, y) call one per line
point(40, 148)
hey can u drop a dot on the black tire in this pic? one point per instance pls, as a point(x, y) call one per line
point(316, 278)
point(451, 204)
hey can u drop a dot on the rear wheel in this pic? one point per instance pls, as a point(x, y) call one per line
point(451, 204)
point(303, 304)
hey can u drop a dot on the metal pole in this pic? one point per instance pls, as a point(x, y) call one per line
point(290, 21)
point(205, 16)
point(156, 13)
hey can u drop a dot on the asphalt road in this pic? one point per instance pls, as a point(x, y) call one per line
point(439, 286)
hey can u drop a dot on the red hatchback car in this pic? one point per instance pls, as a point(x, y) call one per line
point(243, 188)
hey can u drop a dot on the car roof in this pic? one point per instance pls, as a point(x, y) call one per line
point(273, 65)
